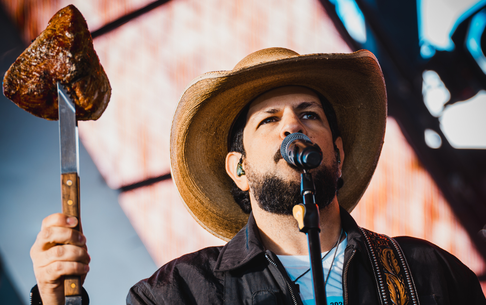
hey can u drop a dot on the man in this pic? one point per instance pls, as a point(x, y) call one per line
point(226, 163)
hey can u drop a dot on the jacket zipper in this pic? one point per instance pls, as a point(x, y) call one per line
point(345, 280)
point(288, 285)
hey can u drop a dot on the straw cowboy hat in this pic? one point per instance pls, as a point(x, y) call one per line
point(354, 85)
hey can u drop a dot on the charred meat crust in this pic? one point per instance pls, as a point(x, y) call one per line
point(64, 53)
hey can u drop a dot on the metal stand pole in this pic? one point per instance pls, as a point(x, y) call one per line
point(307, 215)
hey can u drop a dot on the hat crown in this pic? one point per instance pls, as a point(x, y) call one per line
point(263, 56)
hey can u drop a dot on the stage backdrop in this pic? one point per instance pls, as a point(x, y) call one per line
point(149, 62)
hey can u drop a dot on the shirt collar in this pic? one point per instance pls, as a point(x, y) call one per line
point(247, 245)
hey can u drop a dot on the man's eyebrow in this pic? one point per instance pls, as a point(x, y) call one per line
point(271, 110)
point(301, 106)
point(305, 105)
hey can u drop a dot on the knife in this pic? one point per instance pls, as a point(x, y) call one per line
point(69, 149)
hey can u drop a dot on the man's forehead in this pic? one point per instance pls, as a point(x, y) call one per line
point(301, 97)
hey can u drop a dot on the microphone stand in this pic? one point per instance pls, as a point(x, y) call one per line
point(307, 215)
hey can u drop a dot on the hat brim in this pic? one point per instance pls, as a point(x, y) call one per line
point(354, 85)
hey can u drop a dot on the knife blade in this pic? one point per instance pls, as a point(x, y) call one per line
point(69, 151)
point(68, 132)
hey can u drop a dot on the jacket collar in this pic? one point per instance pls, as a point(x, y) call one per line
point(355, 237)
point(247, 245)
point(244, 247)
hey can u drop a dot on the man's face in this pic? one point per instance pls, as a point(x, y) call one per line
point(271, 117)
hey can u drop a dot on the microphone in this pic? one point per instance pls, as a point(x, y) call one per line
point(297, 149)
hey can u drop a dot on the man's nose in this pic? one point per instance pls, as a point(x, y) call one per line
point(291, 124)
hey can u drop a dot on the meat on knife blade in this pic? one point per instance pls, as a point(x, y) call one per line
point(64, 53)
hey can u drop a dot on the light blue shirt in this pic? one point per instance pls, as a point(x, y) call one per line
point(298, 264)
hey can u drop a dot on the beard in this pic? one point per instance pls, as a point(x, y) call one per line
point(278, 196)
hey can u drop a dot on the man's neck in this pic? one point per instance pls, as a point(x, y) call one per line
point(280, 233)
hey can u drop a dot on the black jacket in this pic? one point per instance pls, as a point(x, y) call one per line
point(243, 272)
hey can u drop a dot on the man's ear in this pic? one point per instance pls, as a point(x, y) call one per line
point(232, 160)
point(339, 146)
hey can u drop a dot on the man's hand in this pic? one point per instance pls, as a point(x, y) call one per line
point(59, 250)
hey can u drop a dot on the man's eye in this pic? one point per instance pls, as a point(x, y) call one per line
point(310, 116)
point(268, 120)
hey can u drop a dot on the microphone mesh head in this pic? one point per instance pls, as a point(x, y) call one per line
point(288, 140)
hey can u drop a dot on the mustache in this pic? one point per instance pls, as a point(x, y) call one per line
point(277, 156)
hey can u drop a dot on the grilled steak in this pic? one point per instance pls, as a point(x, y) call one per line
point(64, 53)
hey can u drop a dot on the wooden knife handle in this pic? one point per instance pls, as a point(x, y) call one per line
point(71, 207)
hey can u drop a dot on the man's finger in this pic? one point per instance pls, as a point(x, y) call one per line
point(59, 220)
point(58, 269)
point(65, 253)
point(51, 236)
